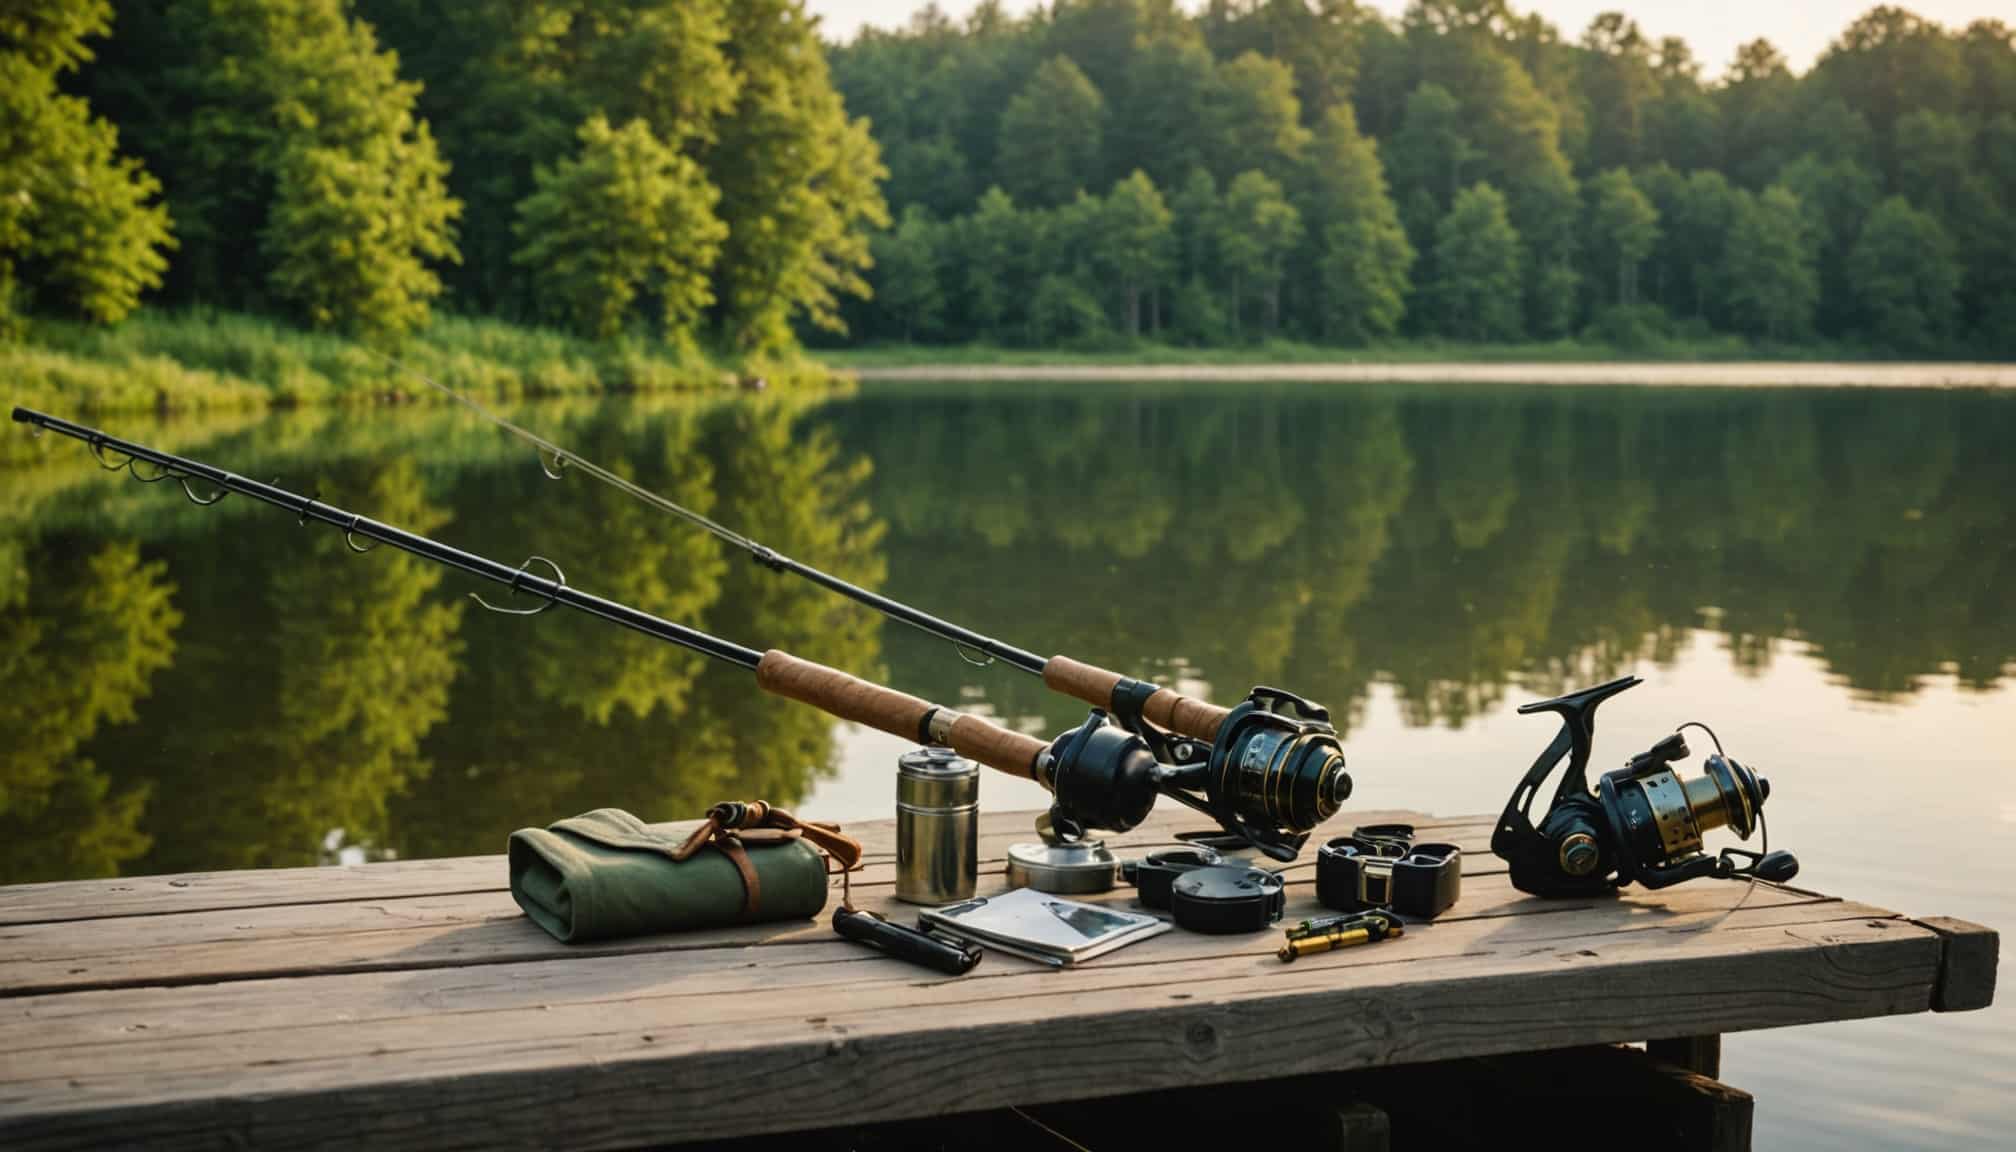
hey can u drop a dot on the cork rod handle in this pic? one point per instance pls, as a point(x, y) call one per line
point(897, 713)
point(1167, 708)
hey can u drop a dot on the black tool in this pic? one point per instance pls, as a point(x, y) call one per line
point(953, 958)
point(1336, 932)
point(1641, 823)
point(1380, 866)
point(1153, 874)
point(1222, 899)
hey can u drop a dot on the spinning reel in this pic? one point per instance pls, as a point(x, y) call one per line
point(1641, 823)
point(1268, 779)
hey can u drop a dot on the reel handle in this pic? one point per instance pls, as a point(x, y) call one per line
point(897, 713)
point(1166, 708)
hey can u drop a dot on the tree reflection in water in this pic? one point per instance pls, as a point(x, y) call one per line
point(193, 689)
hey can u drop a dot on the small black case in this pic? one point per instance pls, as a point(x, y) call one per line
point(1223, 899)
point(1381, 867)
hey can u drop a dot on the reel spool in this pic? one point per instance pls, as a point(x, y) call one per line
point(1268, 779)
point(1642, 823)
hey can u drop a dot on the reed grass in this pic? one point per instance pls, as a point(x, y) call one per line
point(176, 361)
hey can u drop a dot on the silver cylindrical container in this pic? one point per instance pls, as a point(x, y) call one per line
point(937, 826)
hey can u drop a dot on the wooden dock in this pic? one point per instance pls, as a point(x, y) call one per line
point(411, 1005)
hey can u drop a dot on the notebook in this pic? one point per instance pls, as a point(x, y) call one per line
point(1042, 927)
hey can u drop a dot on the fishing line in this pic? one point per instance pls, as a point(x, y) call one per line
point(962, 640)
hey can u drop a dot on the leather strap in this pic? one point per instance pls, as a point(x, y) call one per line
point(726, 820)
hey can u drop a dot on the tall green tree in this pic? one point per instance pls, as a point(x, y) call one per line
point(1254, 122)
point(1157, 132)
point(1257, 230)
point(1051, 135)
point(81, 229)
point(799, 179)
point(1620, 89)
point(995, 247)
point(906, 273)
point(1365, 258)
point(624, 218)
point(1767, 273)
point(1477, 268)
point(306, 137)
point(1906, 277)
point(1431, 155)
point(1136, 244)
point(507, 85)
point(1623, 230)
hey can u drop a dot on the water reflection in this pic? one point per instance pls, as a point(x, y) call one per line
point(184, 688)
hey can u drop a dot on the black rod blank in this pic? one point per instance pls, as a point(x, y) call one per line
point(308, 508)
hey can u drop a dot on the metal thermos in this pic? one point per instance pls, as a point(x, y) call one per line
point(937, 826)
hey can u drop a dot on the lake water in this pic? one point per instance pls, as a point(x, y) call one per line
point(1826, 577)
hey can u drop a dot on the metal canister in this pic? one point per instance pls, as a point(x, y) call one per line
point(937, 826)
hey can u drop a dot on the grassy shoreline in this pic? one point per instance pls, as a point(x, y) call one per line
point(200, 361)
point(1724, 349)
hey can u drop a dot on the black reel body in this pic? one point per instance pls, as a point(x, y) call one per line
point(1641, 823)
point(1271, 776)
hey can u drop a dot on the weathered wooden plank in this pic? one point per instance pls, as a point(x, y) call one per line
point(1967, 968)
point(251, 888)
point(822, 966)
point(678, 1068)
point(488, 928)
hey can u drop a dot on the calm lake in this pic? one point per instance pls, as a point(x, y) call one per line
point(1826, 577)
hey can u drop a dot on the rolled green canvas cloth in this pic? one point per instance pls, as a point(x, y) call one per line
point(606, 874)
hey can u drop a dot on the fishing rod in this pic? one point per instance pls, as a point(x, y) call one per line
point(1270, 723)
point(1100, 775)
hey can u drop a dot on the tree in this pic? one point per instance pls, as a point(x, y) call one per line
point(1430, 155)
point(1623, 229)
point(1157, 131)
point(1477, 268)
point(994, 248)
point(906, 273)
point(799, 179)
point(1365, 257)
point(1255, 122)
point(78, 222)
point(1258, 227)
point(626, 216)
point(1695, 234)
point(1135, 243)
point(1618, 85)
point(1051, 135)
point(1906, 277)
point(1756, 103)
point(507, 85)
point(304, 137)
point(1770, 289)
point(1837, 195)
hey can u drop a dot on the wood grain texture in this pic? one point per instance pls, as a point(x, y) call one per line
point(1967, 971)
point(442, 1018)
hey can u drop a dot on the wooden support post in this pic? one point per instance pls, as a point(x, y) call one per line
point(1700, 1054)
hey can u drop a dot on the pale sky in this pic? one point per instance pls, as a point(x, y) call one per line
point(1800, 28)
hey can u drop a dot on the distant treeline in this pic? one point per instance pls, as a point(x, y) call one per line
point(1105, 169)
point(676, 169)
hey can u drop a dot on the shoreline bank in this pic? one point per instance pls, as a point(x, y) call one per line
point(1759, 374)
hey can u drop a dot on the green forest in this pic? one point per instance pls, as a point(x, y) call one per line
point(1104, 171)
point(231, 203)
point(526, 196)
